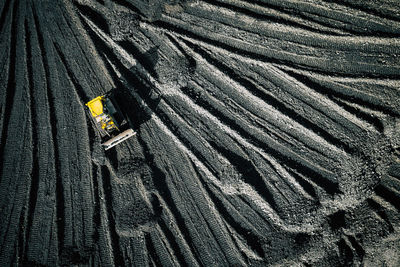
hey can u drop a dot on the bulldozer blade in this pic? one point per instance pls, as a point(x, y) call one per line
point(118, 139)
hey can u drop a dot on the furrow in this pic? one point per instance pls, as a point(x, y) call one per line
point(303, 93)
point(372, 120)
point(104, 238)
point(97, 14)
point(336, 15)
point(173, 242)
point(77, 86)
point(4, 13)
point(380, 212)
point(325, 184)
point(380, 10)
point(249, 123)
point(60, 199)
point(71, 140)
point(16, 158)
point(204, 209)
point(107, 191)
point(11, 83)
point(359, 91)
point(230, 214)
point(140, 57)
point(164, 253)
point(4, 75)
point(345, 252)
point(357, 246)
point(152, 253)
point(253, 12)
point(263, 94)
point(317, 44)
point(250, 175)
point(241, 168)
point(342, 134)
point(269, 148)
point(127, 60)
point(342, 118)
point(293, 35)
point(136, 252)
point(267, 133)
point(190, 153)
point(389, 194)
point(318, 63)
point(184, 225)
point(234, 124)
point(175, 236)
point(25, 220)
point(288, 186)
point(305, 184)
point(238, 185)
point(96, 202)
point(297, 20)
point(40, 246)
point(202, 118)
point(33, 191)
point(308, 172)
point(21, 244)
point(87, 52)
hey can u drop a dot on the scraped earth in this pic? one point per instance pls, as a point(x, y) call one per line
point(268, 133)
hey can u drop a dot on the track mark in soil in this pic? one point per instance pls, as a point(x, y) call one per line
point(107, 190)
point(11, 83)
point(4, 13)
point(269, 141)
point(35, 166)
point(60, 200)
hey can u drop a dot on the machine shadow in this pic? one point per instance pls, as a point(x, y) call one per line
point(137, 97)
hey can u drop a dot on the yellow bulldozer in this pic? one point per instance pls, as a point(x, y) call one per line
point(114, 126)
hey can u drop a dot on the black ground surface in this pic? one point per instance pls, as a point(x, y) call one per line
point(268, 133)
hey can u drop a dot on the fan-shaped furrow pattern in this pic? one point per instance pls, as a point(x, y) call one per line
point(337, 16)
point(352, 62)
point(190, 199)
point(192, 118)
point(241, 167)
point(257, 92)
point(359, 91)
point(354, 122)
point(267, 133)
point(265, 12)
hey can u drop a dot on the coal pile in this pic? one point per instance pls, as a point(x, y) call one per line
point(268, 133)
